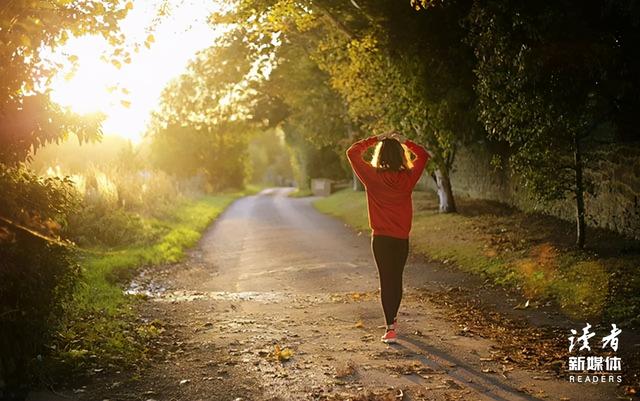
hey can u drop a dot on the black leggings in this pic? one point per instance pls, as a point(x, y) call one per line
point(390, 255)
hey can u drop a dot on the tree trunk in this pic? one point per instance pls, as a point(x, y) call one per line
point(579, 192)
point(357, 184)
point(445, 194)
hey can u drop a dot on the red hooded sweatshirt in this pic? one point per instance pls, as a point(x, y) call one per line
point(388, 192)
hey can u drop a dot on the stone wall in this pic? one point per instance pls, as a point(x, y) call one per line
point(615, 204)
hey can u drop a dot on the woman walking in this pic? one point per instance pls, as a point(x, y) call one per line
point(389, 180)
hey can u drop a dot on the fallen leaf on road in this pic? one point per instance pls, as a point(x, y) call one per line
point(367, 338)
point(345, 370)
point(505, 369)
point(522, 306)
point(282, 354)
point(359, 324)
point(452, 384)
point(375, 395)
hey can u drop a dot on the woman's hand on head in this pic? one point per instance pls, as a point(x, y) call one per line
point(399, 138)
point(382, 137)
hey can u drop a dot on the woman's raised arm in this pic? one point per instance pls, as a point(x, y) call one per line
point(362, 168)
point(422, 157)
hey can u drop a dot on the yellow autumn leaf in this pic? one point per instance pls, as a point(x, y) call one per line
point(282, 354)
point(129, 6)
point(125, 103)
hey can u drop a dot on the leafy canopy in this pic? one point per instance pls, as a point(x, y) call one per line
point(28, 119)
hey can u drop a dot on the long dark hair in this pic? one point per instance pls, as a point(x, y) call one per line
point(391, 155)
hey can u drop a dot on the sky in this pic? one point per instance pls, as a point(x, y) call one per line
point(178, 36)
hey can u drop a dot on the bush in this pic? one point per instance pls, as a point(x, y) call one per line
point(36, 277)
point(37, 271)
point(98, 224)
point(113, 203)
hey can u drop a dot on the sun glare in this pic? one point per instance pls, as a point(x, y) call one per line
point(128, 94)
point(86, 90)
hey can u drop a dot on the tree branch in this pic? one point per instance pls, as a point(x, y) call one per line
point(33, 232)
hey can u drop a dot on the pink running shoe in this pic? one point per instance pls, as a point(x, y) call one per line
point(389, 337)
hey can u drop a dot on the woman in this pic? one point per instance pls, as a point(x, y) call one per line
point(389, 180)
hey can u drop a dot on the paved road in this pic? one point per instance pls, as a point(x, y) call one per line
point(295, 268)
point(273, 274)
point(271, 242)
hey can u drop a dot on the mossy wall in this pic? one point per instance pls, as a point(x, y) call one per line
point(615, 172)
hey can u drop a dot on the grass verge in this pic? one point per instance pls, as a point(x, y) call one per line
point(102, 327)
point(531, 253)
point(300, 193)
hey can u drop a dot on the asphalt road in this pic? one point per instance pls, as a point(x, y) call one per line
point(271, 242)
point(280, 302)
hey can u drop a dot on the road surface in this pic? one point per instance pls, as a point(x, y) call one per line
point(280, 302)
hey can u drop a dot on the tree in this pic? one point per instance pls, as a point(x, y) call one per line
point(201, 126)
point(550, 76)
point(218, 152)
point(393, 67)
point(270, 159)
point(294, 95)
point(423, 87)
point(315, 122)
point(28, 119)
